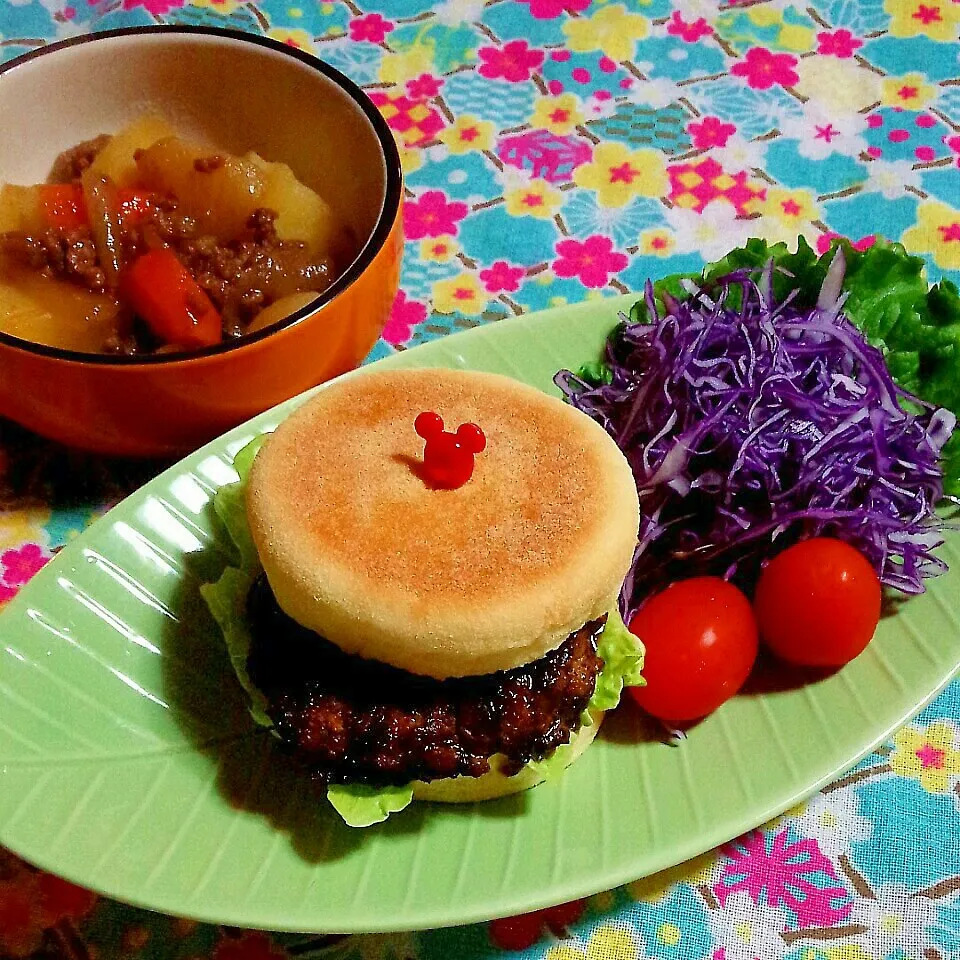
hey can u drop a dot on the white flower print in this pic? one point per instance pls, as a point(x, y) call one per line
point(693, 10)
point(658, 92)
point(833, 821)
point(889, 178)
point(712, 234)
point(895, 920)
point(749, 931)
point(740, 154)
point(597, 107)
point(821, 133)
point(454, 13)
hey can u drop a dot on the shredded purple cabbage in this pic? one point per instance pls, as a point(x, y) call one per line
point(749, 429)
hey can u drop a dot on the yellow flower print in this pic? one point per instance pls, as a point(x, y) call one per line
point(611, 30)
point(764, 16)
point(460, 294)
point(669, 934)
point(221, 6)
point(607, 942)
point(292, 37)
point(560, 115)
point(848, 951)
point(790, 207)
point(937, 19)
point(612, 943)
point(654, 888)
point(930, 755)
point(534, 199)
point(843, 84)
point(657, 243)
point(23, 526)
point(408, 65)
point(467, 134)
point(796, 37)
point(438, 249)
point(912, 91)
point(564, 952)
point(936, 231)
point(619, 174)
point(411, 159)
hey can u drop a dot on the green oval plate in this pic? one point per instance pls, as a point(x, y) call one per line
point(129, 765)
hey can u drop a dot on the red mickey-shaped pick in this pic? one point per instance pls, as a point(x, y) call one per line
point(428, 425)
point(448, 457)
point(470, 438)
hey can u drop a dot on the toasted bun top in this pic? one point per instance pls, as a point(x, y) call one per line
point(486, 577)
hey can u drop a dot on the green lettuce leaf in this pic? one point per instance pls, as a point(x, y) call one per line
point(361, 805)
point(915, 326)
point(622, 654)
point(230, 505)
point(227, 600)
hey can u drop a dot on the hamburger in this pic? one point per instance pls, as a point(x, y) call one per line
point(410, 627)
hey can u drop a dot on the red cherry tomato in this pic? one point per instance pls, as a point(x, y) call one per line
point(701, 640)
point(818, 603)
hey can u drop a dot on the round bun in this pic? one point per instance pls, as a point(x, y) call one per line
point(495, 784)
point(443, 583)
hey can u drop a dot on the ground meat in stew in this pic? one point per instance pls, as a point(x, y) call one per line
point(69, 254)
point(354, 720)
point(70, 165)
point(241, 277)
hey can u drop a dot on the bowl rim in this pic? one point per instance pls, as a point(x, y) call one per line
point(375, 242)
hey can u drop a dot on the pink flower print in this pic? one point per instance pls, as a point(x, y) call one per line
point(688, 32)
point(864, 243)
point(19, 565)
point(372, 28)
point(710, 132)
point(7, 593)
point(501, 277)
point(762, 69)
point(404, 316)
point(432, 215)
point(840, 44)
point(954, 144)
point(551, 9)
point(780, 873)
point(515, 62)
point(927, 15)
point(423, 87)
point(156, 7)
point(591, 261)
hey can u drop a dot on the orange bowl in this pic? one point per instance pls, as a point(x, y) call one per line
point(238, 93)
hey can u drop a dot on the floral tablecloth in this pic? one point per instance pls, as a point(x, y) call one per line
point(556, 150)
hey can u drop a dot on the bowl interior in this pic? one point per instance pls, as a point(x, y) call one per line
point(232, 94)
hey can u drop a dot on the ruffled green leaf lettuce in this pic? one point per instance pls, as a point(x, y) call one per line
point(361, 805)
point(622, 654)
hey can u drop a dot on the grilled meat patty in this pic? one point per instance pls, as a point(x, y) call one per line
point(351, 720)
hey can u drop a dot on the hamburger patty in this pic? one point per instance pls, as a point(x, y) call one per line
point(355, 720)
